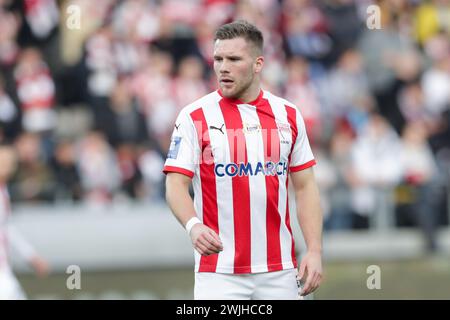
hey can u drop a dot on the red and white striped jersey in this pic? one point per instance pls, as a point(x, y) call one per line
point(239, 156)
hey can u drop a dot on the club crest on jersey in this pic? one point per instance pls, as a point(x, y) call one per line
point(284, 127)
point(174, 148)
point(251, 128)
point(285, 130)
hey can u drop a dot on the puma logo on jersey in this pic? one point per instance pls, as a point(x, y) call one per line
point(215, 128)
point(177, 126)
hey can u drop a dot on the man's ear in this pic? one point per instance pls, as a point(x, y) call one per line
point(259, 63)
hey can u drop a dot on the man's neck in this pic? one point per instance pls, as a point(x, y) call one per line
point(251, 94)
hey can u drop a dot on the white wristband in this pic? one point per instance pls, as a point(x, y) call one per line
point(193, 221)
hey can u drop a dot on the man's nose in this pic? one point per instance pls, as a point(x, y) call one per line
point(224, 68)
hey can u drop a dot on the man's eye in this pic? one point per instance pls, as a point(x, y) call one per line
point(217, 59)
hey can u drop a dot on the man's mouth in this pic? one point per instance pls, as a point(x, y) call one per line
point(226, 81)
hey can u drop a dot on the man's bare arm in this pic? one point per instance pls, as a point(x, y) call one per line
point(204, 239)
point(309, 214)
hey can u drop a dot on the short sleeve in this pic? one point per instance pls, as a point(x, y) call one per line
point(182, 156)
point(301, 156)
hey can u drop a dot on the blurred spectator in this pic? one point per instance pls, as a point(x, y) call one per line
point(63, 163)
point(36, 91)
point(150, 165)
point(134, 25)
point(131, 178)
point(137, 20)
point(181, 13)
point(412, 103)
point(341, 213)
point(9, 24)
point(153, 87)
point(306, 29)
point(100, 65)
point(41, 19)
point(266, 15)
point(93, 15)
point(419, 182)
point(176, 30)
point(39, 28)
point(344, 25)
point(347, 93)
point(217, 12)
point(436, 79)
point(98, 169)
point(33, 180)
point(326, 176)
point(122, 121)
point(390, 59)
point(189, 84)
point(377, 170)
point(9, 114)
point(302, 92)
point(205, 40)
point(416, 156)
point(431, 17)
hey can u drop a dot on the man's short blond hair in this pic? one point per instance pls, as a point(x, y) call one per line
point(244, 29)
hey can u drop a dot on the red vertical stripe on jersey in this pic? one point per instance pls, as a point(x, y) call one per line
point(273, 219)
point(241, 188)
point(292, 119)
point(208, 182)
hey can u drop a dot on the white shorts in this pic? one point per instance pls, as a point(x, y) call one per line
point(276, 285)
point(10, 288)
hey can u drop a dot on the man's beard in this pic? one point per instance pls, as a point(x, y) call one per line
point(241, 90)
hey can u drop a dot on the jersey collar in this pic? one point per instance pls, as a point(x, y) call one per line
point(237, 101)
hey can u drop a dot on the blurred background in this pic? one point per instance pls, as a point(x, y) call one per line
point(89, 105)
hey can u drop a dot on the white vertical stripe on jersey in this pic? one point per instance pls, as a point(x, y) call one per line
point(220, 147)
point(280, 114)
point(257, 185)
point(198, 206)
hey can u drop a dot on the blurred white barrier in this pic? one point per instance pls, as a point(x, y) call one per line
point(148, 236)
point(133, 236)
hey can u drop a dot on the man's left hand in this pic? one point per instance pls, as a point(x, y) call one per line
point(311, 269)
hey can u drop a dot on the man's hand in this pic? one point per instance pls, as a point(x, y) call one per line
point(205, 240)
point(311, 269)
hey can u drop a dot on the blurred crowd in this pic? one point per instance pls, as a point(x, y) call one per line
point(90, 104)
